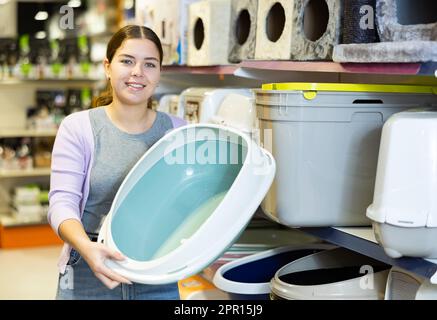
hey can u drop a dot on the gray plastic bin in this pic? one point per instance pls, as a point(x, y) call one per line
point(325, 139)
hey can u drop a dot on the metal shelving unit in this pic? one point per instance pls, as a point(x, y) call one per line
point(419, 73)
point(215, 70)
point(425, 69)
point(362, 240)
point(329, 66)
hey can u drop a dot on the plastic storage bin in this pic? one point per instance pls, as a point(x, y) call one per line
point(168, 103)
point(336, 274)
point(248, 278)
point(325, 139)
point(200, 105)
point(237, 111)
point(404, 209)
point(189, 102)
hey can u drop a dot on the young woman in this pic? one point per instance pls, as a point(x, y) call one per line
point(93, 152)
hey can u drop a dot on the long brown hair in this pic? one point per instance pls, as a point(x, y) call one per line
point(125, 33)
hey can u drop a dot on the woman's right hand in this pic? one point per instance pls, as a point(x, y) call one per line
point(95, 255)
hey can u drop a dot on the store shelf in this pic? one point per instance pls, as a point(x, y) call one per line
point(425, 69)
point(242, 69)
point(263, 71)
point(329, 66)
point(18, 133)
point(362, 240)
point(11, 221)
point(211, 70)
point(30, 235)
point(35, 172)
point(47, 81)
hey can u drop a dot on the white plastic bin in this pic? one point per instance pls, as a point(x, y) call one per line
point(325, 139)
point(237, 110)
point(168, 103)
point(404, 208)
point(200, 105)
point(336, 274)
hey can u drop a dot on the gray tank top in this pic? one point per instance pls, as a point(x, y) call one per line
point(115, 153)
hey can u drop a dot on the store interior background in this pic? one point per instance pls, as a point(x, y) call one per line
point(47, 72)
point(28, 256)
point(34, 101)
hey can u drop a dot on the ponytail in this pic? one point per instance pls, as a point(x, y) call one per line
point(105, 97)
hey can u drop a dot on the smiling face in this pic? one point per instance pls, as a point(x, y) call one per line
point(134, 71)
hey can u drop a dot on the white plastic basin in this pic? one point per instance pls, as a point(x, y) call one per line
point(185, 202)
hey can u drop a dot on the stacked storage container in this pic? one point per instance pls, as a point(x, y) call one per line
point(325, 139)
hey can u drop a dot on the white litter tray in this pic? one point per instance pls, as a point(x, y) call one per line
point(332, 274)
point(249, 278)
point(185, 202)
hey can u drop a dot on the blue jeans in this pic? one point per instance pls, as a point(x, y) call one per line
point(79, 283)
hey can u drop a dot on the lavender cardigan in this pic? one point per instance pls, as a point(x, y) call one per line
point(72, 158)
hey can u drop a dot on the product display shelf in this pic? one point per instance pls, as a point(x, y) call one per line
point(23, 232)
point(362, 240)
point(22, 173)
point(244, 68)
point(12, 81)
point(317, 71)
point(27, 234)
point(214, 70)
point(10, 221)
point(329, 66)
point(18, 133)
